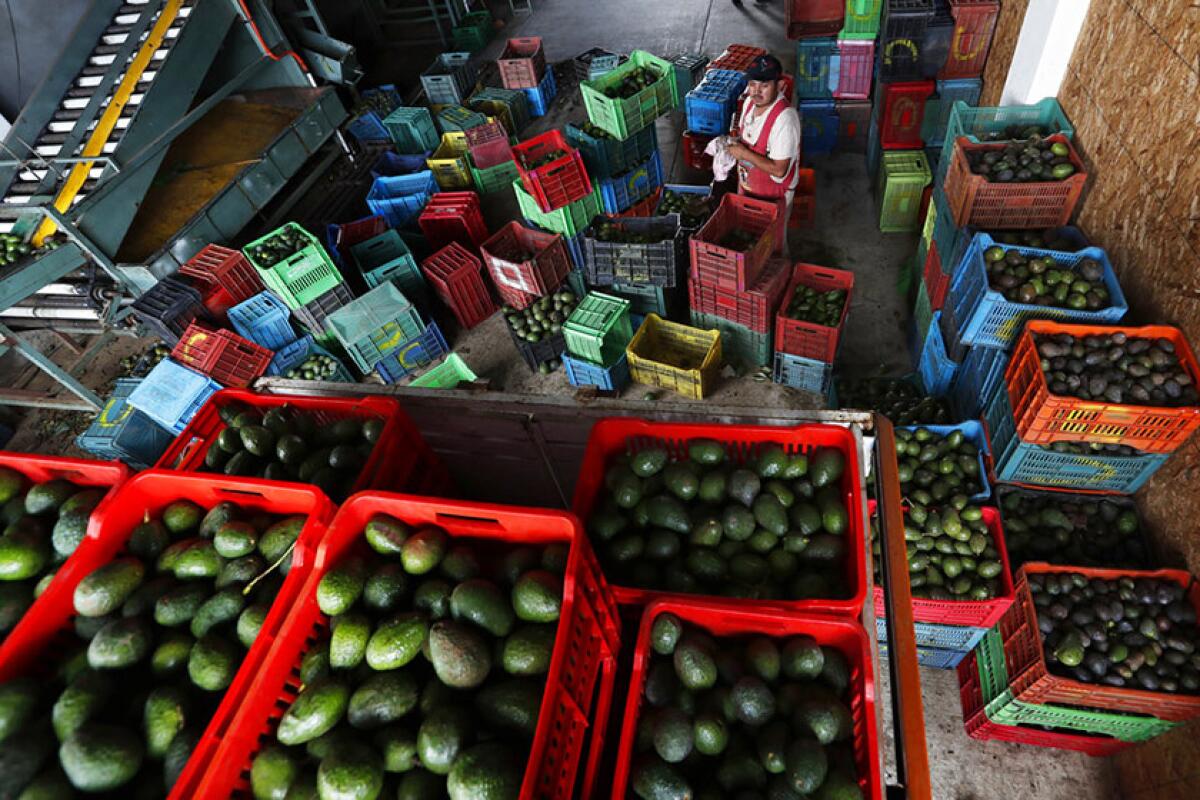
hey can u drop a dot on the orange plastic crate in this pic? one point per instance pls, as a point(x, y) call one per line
point(1032, 682)
point(979, 203)
point(808, 339)
point(1044, 418)
point(224, 356)
point(732, 270)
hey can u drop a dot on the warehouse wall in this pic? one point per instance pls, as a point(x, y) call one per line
point(1004, 44)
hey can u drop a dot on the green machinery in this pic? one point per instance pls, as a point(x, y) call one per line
point(164, 125)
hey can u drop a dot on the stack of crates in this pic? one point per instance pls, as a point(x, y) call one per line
point(551, 171)
point(400, 198)
point(380, 323)
point(510, 106)
point(386, 258)
point(805, 351)
point(623, 117)
point(710, 105)
point(904, 173)
point(651, 272)
point(224, 356)
point(453, 217)
point(224, 278)
point(855, 72)
point(522, 67)
point(121, 432)
point(263, 319)
point(457, 118)
point(169, 307)
point(736, 291)
point(450, 163)
point(597, 333)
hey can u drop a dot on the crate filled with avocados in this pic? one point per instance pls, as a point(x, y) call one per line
point(761, 515)
point(899, 399)
point(438, 649)
point(730, 703)
point(141, 651)
point(338, 445)
point(45, 503)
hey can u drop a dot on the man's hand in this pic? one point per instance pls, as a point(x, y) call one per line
point(738, 150)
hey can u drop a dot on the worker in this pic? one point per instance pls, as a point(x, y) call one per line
point(767, 142)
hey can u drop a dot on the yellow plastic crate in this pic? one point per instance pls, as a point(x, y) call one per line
point(449, 163)
point(930, 219)
point(677, 357)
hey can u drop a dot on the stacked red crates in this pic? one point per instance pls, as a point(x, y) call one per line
point(560, 180)
point(525, 264)
point(755, 308)
point(808, 339)
point(224, 356)
point(453, 217)
point(224, 277)
point(457, 277)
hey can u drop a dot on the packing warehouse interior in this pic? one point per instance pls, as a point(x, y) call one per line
point(496, 399)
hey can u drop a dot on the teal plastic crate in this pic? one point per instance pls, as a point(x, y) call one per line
point(983, 123)
point(387, 258)
point(121, 432)
point(599, 329)
point(447, 375)
point(739, 344)
point(372, 326)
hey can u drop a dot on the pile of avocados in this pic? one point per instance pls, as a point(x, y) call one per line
point(1028, 161)
point(748, 716)
point(820, 308)
point(288, 240)
point(607, 229)
point(317, 367)
point(1042, 281)
point(633, 82)
point(160, 633)
point(1084, 531)
point(693, 209)
point(1116, 368)
point(430, 679)
point(951, 552)
point(1133, 633)
point(1048, 239)
point(944, 465)
point(896, 398)
point(773, 527)
point(287, 444)
point(740, 240)
point(543, 160)
point(43, 524)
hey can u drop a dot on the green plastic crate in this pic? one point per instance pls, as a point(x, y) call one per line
point(373, 325)
point(739, 344)
point(903, 176)
point(494, 179)
point(1000, 706)
point(411, 130)
point(447, 375)
point(862, 19)
point(624, 117)
point(473, 31)
point(457, 118)
point(599, 329)
point(301, 277)
point(568, 220)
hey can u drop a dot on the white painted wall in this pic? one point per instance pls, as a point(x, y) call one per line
point(1044, 49)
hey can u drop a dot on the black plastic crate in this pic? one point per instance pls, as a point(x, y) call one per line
point(901, 36)
point(538, 353)
point(169, 307)
point(656, 264)
point(313, 315)
point(581, 63)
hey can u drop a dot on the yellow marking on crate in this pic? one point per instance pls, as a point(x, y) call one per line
point(102, 419)
point(981, 42)
point(108, 120)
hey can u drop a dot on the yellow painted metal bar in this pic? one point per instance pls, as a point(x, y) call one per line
point(112, 114)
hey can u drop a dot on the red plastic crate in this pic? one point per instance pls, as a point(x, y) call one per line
point(585, 647)
point(808, 18)
point(978, 726)
point(937, 282)
point(804, 201)
point(903, 111)
point(453, 217)
point(614, 436)
point(807, 339)
point(149, 493)
point(737, 57)
point(457, 277)
point(754, 309)
point(1044, 418)
point(978, 203)
point(489, 145)
point(221, 354)
point(722, 621)
point(693, 151)
point(400, 460)
point(546, 268)
point(974, 23)
point(966, 613)
point(523, 63)
point(558, 183)
point(349, 234)
point(1030, 680)
point(224, 277)
point(642, 208)
point(729, 269)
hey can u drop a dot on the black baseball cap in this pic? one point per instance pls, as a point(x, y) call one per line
point(765, 68)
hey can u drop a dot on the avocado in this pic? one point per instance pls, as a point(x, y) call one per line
point(70, 530)
point(432, 598)
point(710, 733)
point(807, 765)
point(279, 538)
point(240, 571)
point(250, 622)
point(212, 663)
point(386, 535)
point(15, 600)
point(443, 735)
point(382, 699)
point(398, 745)
point(148, 540)
point(802, 658)
point(489, 771)
point(23, 555)
point(50, 784)
point(772, 747)
point(772, 461)
point(120, 643)
point(461, 563)
point(419, 784)
point(423, 551)
point(480, 602)
point(825, 717)
point(744, 486)
point(163, 717)
point(753, 702)
point(826, 466)
point(340, 587)
point(839, 785)
point(763, 658)
point(682, 480)
point(318, 708)
point(694, 665)
point(171, 654)
point(348, 642)
point(235, 539)
point(386, 588)
point(178, 754)
point(666, 511)
point(197, 559)
point(272, 773)
point(626, 487)
point(11, 483)
point(528, 650)
point(461, 658)
point(713, 487)
point(220, 609)
point(835, 670)
point(664, 633)
point(314, 664)
point(537, 596)
point(648, 462)
point(511, 704)
point(182, 517)
point(18, 700)
point(397, 641)
point(673, 735)
point(833, 511)
point(100, 758)
point(178, 605)
point(770, 513)
point(738, 523)
point(353, 770)
point(23, 756)
point(48, 497)
point(654, 779)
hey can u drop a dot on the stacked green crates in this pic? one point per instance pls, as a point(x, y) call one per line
point(903, 176)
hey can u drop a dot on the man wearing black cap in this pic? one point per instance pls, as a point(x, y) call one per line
point(768, 142)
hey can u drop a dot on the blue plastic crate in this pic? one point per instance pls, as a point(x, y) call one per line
point(418, 352)
point(1017, 461)
point(933, 657)
point(368, 126)
point(390, 164)
point(541, 97)
point(172, 394)
point(935, 366)
point(945, 233)
point(123, 433)
point(819, 125)
point(295, 353)
point(817, 65)
point(710, 105)
point(575, 250)
point(401, 198)
point(807, 374)
point(263, 319)
point(584, 373)
point(941, 637)
point(602, 65)
point(984, 317)
point(973, 431)
point(980, 375)
point(622, 192)
point(875, 146)
point(606, 157)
